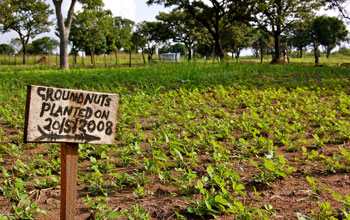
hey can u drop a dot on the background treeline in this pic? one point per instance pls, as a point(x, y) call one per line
point(219, 29)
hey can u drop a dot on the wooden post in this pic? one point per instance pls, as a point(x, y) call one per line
point(69, 169)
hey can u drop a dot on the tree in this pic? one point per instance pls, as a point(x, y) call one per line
point(28, 18)
point(6, 49)
point(261, 42)
point(88, 31)
point(16, 44)
point(44, 45)
point(215, 16)
point(154, 33)
point(237, 37)
point(183, 28)
point(344, 51)
point(176, 48)
point(119, 35)
point(339, 5)
point(278, 15)
point(329, 32)
point(64, 25)
point(139, 42)
point(299, 35)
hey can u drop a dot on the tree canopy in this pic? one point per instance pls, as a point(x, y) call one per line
point(299, 35)
point(89, 31)
point(182, 28)
point(28, 18)
point(215, 16)
point(6, 49)
point(44, 45)
point(329, 32)
point(278, 15)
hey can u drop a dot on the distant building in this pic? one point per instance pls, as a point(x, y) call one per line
point(170, 57)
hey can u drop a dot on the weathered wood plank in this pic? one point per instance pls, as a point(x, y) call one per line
point(70, 116)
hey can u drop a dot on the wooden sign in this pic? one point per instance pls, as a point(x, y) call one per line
point(70, 116)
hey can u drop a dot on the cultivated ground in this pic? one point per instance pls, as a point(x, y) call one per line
point(195, 141)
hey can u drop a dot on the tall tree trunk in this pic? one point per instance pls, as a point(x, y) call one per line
point(64, 26)
point(82, 58)
point(143, 57)
point(277, 48)
point(328, 51)
point(75, 58)
point(149, 57)
point(194, 54)
point(116, 57)
point(130, 58)
point(261, 55)
point(238, 53)
point(316, 53)
point(24, 53)
point(189, 48)
point(91, 57)
point(300, 52)
point(64, 61)
point(218, 47)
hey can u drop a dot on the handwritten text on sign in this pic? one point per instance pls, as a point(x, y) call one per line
point(65, 115)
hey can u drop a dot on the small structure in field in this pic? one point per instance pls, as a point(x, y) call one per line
point(170, 57)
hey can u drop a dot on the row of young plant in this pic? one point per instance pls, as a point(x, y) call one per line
point(207, 132)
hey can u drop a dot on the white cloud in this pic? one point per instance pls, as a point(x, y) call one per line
point(123, 8)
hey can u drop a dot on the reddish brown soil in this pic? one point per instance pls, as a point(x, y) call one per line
point(288, 196)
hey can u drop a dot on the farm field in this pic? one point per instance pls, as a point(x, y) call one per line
point(194, 141)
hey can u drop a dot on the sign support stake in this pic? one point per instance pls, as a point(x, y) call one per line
point(69, 170)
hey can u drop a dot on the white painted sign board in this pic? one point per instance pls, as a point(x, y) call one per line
point(70, 116)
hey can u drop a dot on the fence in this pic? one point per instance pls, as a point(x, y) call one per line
point(54, 60)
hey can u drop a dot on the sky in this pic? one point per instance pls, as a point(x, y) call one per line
point(136, 10)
